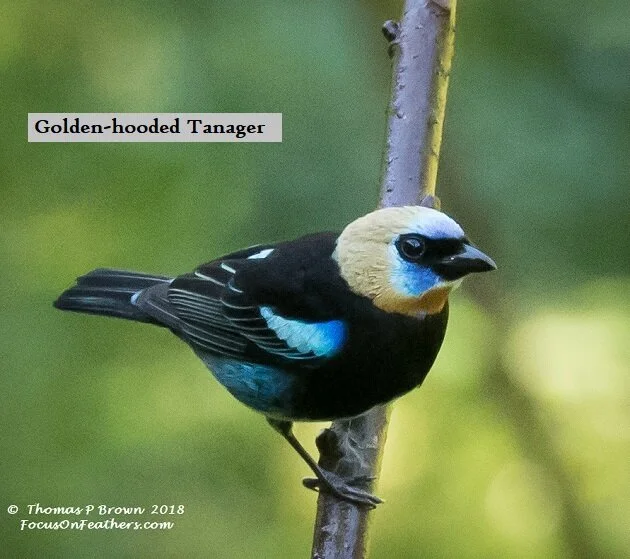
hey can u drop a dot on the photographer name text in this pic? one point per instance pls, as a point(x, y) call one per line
point(103, 510)
point(95, 517)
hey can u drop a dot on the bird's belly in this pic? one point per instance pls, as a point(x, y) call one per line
point(334, 390)
point(333, 394)
point(264, 388)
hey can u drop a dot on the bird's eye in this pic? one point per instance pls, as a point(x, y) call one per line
point(411, 247)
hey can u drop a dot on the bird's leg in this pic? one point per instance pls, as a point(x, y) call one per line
point(326, 480)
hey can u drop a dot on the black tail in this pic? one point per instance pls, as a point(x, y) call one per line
point(109, 292)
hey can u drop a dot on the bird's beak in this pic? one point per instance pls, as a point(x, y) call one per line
point(468, 261)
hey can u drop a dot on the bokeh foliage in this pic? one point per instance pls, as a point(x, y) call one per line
point(517, 444)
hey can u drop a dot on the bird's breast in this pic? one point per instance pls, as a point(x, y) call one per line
point(384, 356)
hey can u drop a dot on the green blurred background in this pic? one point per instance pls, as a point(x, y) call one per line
point(518, 443)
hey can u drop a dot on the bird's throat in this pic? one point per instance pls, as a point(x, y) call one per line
point(431, 301)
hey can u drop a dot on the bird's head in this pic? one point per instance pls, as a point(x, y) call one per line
point(407, 259)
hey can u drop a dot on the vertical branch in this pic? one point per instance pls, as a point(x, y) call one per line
point(421, 47)
point(423, 50)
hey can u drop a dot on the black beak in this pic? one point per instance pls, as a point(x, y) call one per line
point(469, 260)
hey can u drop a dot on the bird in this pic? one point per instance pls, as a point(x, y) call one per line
point(323, 327)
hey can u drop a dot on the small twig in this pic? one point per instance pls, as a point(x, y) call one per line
point(421, 47)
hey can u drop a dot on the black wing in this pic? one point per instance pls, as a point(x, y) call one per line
point(241, 306)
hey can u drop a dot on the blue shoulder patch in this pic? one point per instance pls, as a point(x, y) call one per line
point(319, 339)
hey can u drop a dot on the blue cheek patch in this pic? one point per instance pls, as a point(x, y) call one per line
point(412, 280)
point(318, 339)
point(263, 388)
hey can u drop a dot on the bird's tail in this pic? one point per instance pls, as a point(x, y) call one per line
point(110, 293)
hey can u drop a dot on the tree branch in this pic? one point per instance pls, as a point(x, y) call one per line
point(421, 48)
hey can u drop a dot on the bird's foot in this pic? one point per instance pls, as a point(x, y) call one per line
point(346, 489)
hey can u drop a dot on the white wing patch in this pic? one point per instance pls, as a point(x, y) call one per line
point(261, 254)
point(321, 339)
point(208, 278)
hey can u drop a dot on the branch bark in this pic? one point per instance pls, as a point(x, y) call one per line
point(421, 47)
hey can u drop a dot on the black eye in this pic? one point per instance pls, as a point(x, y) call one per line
point(411, 247)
